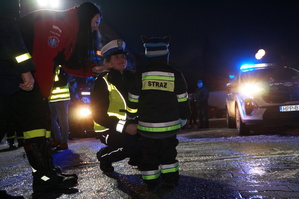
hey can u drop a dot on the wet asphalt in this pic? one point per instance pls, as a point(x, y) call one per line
point(214, 163)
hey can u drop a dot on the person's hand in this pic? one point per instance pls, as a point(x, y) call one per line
point(28, 81)
point(101, 69)
point(131, 129)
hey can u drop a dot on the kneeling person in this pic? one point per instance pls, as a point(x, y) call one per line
point(108, 102)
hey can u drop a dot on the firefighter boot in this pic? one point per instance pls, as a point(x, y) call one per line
point(44, 177)
point(55, 168)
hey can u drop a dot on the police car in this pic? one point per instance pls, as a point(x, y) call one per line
point(263, 95)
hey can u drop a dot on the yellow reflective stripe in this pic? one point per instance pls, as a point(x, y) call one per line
point(170, 170)
point(11, 137)
point(131, 110)
point(23, 57)
point(60, 90)
point(182, 97)
point(119, 116)
point(56, 79)
point(34, 133)
point(159, 129)
point(48, 134)
point(165, 78)
point(133, 100)
point(151, 177)
point(160, 124)
point(158, 73)
point(61, 96)
point(60, 93)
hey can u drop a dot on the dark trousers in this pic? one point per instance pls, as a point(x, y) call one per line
point(159, 152)
point(29, 109)
point(119, 146)
point(203, 113)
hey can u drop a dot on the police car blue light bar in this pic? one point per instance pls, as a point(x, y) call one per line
point(247, 67)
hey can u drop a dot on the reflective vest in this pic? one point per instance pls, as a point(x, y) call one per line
point(116, 104)
point(59, 93)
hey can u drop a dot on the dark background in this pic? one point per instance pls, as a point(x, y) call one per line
point(209, 39)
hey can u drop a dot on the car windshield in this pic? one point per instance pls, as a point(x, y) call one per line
point(270, 75)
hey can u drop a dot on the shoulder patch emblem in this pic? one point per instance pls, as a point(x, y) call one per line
point(53, 41)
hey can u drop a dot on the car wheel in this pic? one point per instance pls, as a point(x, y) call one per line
point(241, 127)
point(230, 122)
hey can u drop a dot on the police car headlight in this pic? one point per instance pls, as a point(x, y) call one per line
point(254, 89)
point(83, 112)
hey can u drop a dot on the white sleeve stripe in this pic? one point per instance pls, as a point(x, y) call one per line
point(120, 126)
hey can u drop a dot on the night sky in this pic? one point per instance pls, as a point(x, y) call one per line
point(231, 32)
point(209, 36)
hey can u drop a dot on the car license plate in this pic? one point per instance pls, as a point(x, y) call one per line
point(289, 108)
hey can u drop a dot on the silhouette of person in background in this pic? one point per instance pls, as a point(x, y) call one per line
point(202, 96)
point(193, 116)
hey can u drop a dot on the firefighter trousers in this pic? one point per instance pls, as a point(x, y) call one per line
point(159, 160)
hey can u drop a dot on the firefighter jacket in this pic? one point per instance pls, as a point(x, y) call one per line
point(46, 34)
point(14, 56)
point(108, 103)
point(159, 93)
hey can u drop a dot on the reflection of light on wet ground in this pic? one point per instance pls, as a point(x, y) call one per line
point(255, 197)
point(256, 171)
point(256, 168)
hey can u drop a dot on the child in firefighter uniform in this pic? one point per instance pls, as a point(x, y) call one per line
point(108, 104)
point(159, 95)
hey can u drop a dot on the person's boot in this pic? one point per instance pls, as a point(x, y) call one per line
point(56, 168)
point(11, 143)
point(44, 177)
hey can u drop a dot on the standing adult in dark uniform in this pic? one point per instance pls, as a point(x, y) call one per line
point(18, 84)
point(202, 96)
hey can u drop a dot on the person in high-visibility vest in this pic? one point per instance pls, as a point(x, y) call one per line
point(160, 99)
point(59, 103)
point(108, 105)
